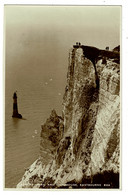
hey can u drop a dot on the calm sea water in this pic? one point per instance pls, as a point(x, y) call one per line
point(40, 88)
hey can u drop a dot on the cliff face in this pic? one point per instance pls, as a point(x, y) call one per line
point(87, 146)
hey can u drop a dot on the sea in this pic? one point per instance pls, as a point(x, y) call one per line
point(40, 85)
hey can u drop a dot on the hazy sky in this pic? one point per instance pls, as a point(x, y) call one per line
point(92, 25)
point(45, 34)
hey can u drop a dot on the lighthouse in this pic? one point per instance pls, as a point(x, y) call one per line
point(15, 107)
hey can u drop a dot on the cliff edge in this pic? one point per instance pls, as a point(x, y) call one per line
point(85, 141)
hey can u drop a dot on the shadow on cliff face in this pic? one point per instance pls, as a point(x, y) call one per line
point(86, 96)
point(113, 142)
point(107, 179)
point(89, 100)
point(61, 151)
point(90, 52)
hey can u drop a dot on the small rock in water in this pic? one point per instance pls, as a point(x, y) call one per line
point(33, 136)
point(50, 79)
point(46, 83)
point(35, 131)
point(59, 93)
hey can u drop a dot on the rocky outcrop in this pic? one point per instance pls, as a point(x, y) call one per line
point(86, 140)
point(51, 133)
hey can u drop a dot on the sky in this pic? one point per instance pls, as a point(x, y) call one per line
point(44, 34)
point(91, 25)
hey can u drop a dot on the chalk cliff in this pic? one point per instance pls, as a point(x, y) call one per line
point(84, 144)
